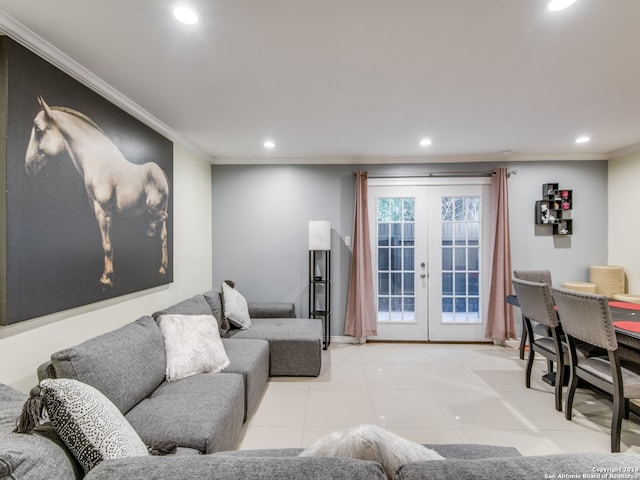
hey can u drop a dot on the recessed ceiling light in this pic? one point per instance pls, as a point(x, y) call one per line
point(185, 15)
point(583, 139)
point(269, 144)
point(557, 5)
point(425, 142)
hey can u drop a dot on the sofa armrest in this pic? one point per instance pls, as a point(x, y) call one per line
point(210, 467)
point(570, 465)
point(46, 370)
point(272, 310)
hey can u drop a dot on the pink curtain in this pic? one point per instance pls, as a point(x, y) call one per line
point(500, 324)
point(361, 307)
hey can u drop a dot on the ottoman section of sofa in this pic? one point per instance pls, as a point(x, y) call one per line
point(203, 411)
point(295, 344)
point(249, 358)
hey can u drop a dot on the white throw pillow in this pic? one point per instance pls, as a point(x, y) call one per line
point(89, 424)
point(370, 442)
point(235, 307)
point(192, 344)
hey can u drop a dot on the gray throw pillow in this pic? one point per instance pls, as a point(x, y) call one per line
point(236, 309)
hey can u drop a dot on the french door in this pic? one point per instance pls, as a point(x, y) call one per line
point(430, 248)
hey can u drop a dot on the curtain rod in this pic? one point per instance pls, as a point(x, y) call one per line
point(437, 174)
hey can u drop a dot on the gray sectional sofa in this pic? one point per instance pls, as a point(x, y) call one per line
point(204, 413)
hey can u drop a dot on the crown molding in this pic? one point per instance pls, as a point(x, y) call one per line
point(625, 152)
point(346, 160)
point(34, 42)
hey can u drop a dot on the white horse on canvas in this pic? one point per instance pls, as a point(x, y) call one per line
point(113, 184)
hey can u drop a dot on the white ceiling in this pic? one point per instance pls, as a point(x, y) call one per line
point(360, 79)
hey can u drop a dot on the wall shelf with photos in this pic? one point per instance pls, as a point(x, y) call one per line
point(555, 209)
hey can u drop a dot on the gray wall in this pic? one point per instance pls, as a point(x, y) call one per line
point(533, 247)
point(261, 213)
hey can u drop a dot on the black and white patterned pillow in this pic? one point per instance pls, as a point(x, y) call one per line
point(89, 424)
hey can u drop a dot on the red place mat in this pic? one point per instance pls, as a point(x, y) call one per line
point(629, 326)
point(625, 305)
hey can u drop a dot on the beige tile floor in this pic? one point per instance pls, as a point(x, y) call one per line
point(432, 393)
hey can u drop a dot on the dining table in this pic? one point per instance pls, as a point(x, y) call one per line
point(626, 323)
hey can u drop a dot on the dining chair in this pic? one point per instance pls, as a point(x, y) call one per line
point(587, 317)
point(536, 304)
point(540, 276)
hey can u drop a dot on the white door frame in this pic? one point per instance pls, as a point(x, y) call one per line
point(425, 329)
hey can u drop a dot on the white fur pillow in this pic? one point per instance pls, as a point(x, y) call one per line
point(370, 442)
point(192, 344)
point(235, 306)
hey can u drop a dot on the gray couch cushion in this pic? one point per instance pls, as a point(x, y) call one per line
point(214, 300)
point(210, 467)
point(249, 358)
point(32, 457)
point(470, 451)
point(126, 365)
point(449, 451)
point(519, 468)
point(196, 305)
point(272, 310)
point(11, 402)
point(204, 412)
point(294, 343)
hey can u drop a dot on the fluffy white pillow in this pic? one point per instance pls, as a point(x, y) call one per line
point(89, 424)
point(235, 307)
point(192, 344)
point(370, 442)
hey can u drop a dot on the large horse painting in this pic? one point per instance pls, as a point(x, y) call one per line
point(87, 207)
point(113, 184)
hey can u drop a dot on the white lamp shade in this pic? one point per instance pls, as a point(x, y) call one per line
point(319, 235)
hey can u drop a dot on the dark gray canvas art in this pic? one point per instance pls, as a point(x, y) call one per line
point(88, 208)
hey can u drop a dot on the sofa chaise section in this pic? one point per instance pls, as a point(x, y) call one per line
point(295, 344)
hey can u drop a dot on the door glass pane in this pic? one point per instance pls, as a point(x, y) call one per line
point(409, 287)
point(396, 255)
point(461, 227)
point(409, 258)
point(383, 283)
point(396, 259)
point(383, 234)
point(383, 211)
point(409, 232)
point(396, 284)
point(396, 234)
point(383, 259)
point(460, 233)
point(396, 209)
point(447, 259)
point(447, 284)
point(447, 209)
point(473, 254)
point(461, 258)
point(447, 233)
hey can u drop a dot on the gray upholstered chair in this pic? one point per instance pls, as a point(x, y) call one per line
point(536, 304)
point(540, 276)
point(587, 317)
